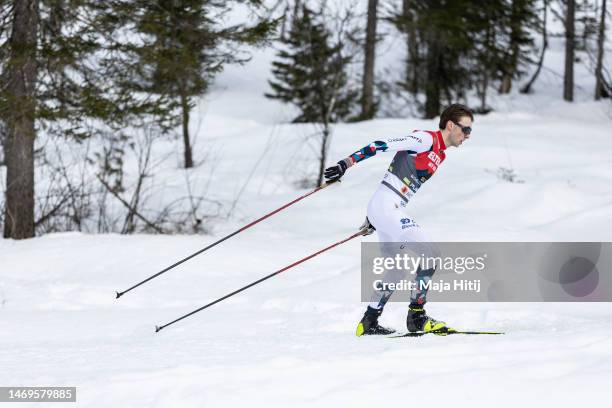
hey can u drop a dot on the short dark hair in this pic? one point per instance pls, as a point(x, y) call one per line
point(454, 113)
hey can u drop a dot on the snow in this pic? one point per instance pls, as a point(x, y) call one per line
point(289, 341)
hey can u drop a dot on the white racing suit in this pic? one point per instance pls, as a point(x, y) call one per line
point(418, 157)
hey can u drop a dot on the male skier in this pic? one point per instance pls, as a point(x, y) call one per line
point(418, 156)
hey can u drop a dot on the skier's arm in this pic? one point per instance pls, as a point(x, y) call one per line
point(416, 142)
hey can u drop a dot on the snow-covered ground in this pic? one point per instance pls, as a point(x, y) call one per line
point(287, 342)
point(290, 341)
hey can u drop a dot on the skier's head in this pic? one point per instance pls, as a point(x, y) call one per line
point(456, 124)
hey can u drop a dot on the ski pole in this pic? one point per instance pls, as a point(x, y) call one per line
point(362, 231)
point(321, 187)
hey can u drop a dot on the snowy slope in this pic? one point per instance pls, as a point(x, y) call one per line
point(289, 341)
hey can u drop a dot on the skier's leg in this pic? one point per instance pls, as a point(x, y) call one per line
point(396, 228)
point(381, 205)
point(380, 297)
point(418, 297)
point(400, 228)
point(417, 319)
point(383, 213)
point(369, 322)
point(417, 243)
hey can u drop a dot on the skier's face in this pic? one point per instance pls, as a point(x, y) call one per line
point(460, 130)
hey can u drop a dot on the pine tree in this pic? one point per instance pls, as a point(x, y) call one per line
point(515, 37)
point(50, 79)
point(405, 21)
point(183, 47)
point(456, 46)
point(488, 51)
point(439, 43)
point(311, 72)
point(446, 31)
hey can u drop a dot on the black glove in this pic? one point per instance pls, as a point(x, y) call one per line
point(367, 227)
point(334, 173)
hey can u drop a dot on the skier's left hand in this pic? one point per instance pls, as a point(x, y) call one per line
point(334, 173)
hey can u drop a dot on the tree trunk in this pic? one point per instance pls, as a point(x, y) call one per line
point(186, 140)
point(568, 79)
point(434, 78)
point(2, 139)
point(20, 87)
point(415, 62)
point(600, 52)
point(296, 11)
point(527, 88)
point(324, 144)
point(283, 29)
point(412, 55)
point(484, 83)
point(367, 97)
point(506, 84)
point(483, 93)
point(326, 114)
point(515, 27)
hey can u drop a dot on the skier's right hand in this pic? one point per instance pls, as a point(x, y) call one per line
point(334, 173)
point(367, 228)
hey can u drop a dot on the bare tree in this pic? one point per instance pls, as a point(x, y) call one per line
point(66, 205)
point(142, 149)
point(130, 207)
point(343, 19)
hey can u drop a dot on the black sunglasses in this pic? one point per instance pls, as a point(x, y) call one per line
point(465, 129)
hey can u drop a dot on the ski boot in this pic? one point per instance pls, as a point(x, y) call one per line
point(418, 322)
point(369, 324)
